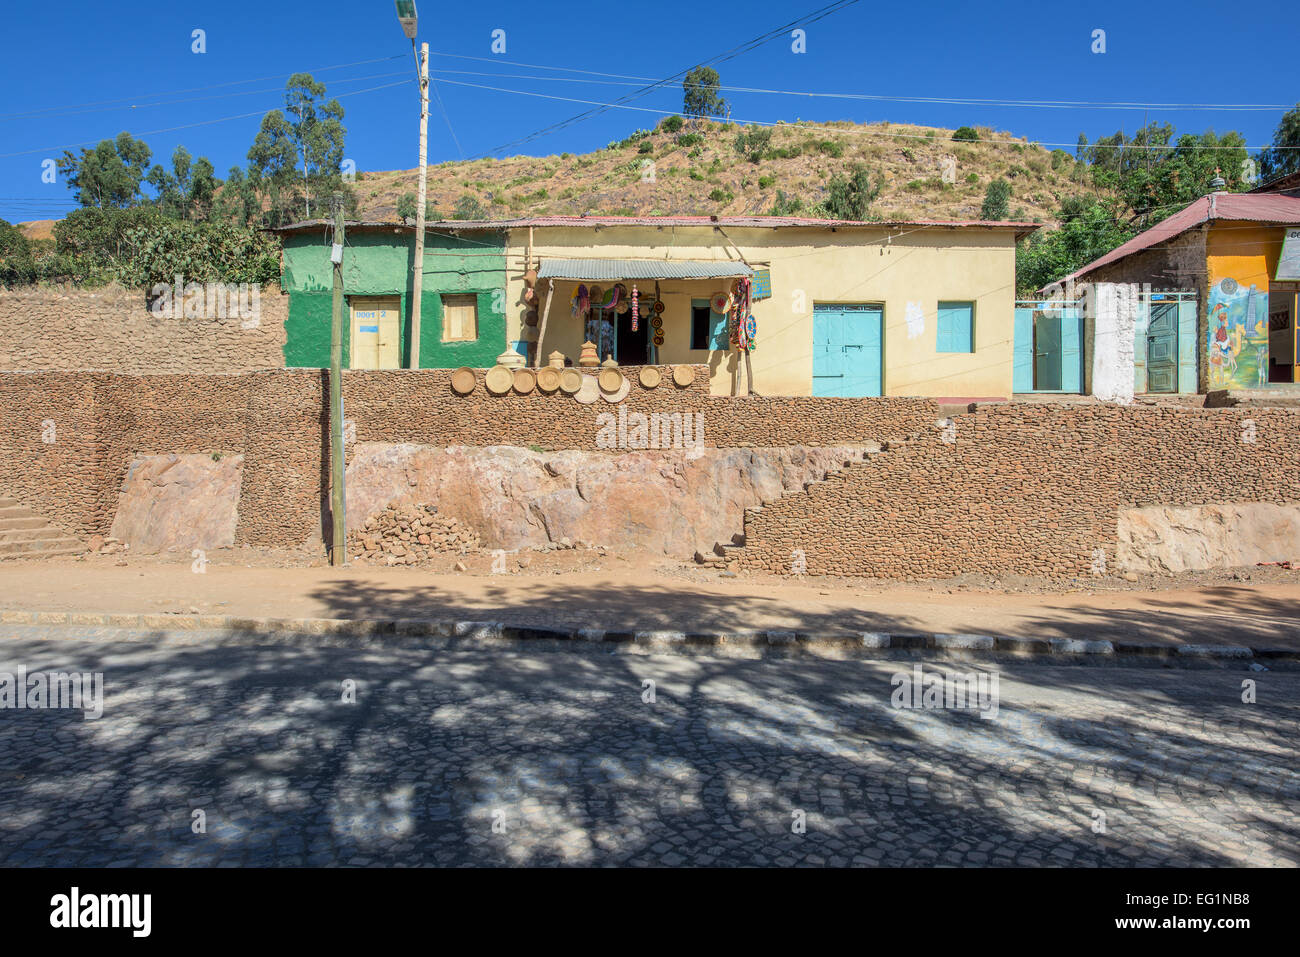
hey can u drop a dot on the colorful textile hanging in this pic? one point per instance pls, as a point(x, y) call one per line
point(635, 297)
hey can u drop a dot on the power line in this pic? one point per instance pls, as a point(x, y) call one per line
point(187, 126)
point(808, 125)
point(628, 80)
point(812, 17)
point(217, 96)
point(199, 89)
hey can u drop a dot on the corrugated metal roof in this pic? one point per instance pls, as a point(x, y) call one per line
point(1248, 207)
point(615, 269)
point(738, 222)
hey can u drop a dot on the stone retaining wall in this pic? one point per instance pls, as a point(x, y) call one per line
point(68, 438)
point(1028, 489)
point(112, 329)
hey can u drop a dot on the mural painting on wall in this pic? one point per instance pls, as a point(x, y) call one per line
point(1237, 352)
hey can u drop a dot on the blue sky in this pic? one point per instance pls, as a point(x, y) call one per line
point(83, 71)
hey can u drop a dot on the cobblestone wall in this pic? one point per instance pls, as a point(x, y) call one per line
point(1027, 489)
point(112, 329)
point(67, 438)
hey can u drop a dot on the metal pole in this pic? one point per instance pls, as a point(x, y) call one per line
point(417, 284)
point(338, 536)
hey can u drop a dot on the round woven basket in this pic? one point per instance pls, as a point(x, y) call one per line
point(463, 381)
point(548, 379)
point(525, 381)
point(499, 380)
point(570, 381)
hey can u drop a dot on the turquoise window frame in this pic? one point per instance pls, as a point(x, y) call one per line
point(955, 328)
point(718, 337)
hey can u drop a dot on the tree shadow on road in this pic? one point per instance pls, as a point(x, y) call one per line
point(507, 756)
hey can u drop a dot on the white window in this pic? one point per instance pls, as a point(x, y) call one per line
point(460, 318)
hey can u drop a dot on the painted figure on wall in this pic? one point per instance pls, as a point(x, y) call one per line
point(1237, 351)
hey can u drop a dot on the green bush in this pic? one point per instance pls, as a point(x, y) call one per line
point(468, 207)
point(754, 143)
point(965, 134)
point(690, 139)
point(995, 200)
point(17, 265)
point(828, 147)
point(722, 195)
point(646, 147)
point(850, 197)
point(786, 205)
point(672, 124)
point(765, 181)
point(973, 178)
point(786, 152)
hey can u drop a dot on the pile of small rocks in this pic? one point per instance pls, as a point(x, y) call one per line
point(410, 534)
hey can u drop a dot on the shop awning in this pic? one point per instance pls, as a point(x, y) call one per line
point(612, 270)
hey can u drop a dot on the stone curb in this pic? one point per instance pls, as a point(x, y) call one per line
point(658, 639)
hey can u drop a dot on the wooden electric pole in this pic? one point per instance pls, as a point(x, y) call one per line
point(417, 281)
point(338, 536)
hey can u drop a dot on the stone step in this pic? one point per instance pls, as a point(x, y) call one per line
point(15, 511)
point(42, 548)
point(7, 502)
point(27, 521)
point(41, 534)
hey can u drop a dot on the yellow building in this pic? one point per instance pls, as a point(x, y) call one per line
point(839, 308)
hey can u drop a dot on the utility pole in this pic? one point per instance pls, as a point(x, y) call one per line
point(338, 536)
point(417, 283)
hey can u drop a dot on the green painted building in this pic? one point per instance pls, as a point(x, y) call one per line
point(462, 316)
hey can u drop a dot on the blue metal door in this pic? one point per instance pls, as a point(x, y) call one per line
point(1162, 348)
point(848, 350)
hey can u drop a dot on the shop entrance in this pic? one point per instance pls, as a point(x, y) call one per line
point(632, 347)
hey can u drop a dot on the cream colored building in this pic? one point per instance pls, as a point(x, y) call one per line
point(921, 308)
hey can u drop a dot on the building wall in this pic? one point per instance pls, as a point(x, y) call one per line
point(49, 327)
point(377, 263)
point(1178, 265)
point(1241, 259)
point(1026, 489)
point(808, 266)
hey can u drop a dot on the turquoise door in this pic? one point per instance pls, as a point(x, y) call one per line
point(848, 350)
point(1047, 353)
point(1162, 348)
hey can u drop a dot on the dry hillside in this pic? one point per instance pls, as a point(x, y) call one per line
point(699, 171)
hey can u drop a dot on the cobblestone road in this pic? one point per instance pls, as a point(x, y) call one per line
point(518, 757)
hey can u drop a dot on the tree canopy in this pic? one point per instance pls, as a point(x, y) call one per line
point(1283, 156)
point(700, 93)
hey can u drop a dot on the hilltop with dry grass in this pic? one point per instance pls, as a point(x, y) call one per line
point(698, 169)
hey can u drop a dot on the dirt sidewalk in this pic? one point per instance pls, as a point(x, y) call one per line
point(1265, 613)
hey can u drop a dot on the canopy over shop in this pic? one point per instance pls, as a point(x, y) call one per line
point(624, 320)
